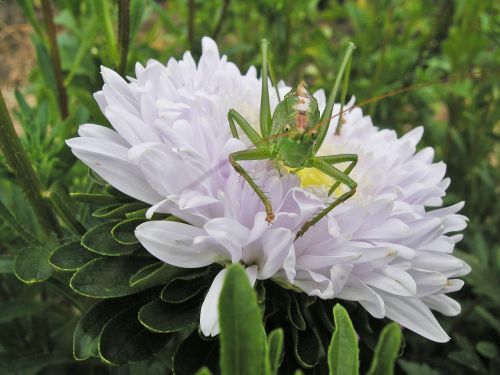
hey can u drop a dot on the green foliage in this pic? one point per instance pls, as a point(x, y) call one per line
point(242, 337)
point(343, 351)
point(398, 44)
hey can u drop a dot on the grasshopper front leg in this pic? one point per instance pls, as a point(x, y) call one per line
point(341, 177)
point(341, 158)
point(254, 154)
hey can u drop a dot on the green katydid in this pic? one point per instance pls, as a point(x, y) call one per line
point(293, 135)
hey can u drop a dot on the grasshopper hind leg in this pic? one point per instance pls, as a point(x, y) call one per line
point(322, 164)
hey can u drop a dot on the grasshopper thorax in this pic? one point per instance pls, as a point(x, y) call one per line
point(293, 126)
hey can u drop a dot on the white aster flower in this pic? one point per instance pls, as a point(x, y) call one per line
point(387, 247)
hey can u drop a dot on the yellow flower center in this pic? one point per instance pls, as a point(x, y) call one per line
point(312, 177)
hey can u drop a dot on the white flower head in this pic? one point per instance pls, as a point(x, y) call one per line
point(388, 247)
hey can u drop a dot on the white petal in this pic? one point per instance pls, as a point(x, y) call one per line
point(442, 303)
point(413, 314)
point(109, 160)
point(230, 234)
point(173, 243)
point(356, 290)
point(209, 314)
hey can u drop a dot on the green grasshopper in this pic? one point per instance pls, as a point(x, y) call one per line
point(293, 135)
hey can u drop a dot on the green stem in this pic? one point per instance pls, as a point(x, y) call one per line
point(56, 60)
point(223, 14)
point(123, 33)
point(102, 9)
point(191, 13)
point(26, 177)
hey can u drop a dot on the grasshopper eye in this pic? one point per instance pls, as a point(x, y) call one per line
point(287, 128)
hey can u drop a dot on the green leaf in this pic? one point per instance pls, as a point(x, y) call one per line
point(194, 353)
point(485, 348)
point(99, 199)
point(387, 351)
point(17, 308)
point(123, 339)
point(71, 256)
point(123, 232)
point(414, 368)
point(90, 325)
point(32, 264)
point(6, 264)
point(99, 240)
point(343, 351)
point(242, 337)
point(118, 211)
point(154, 274)
point(186, 286)
point(7, 216)
point(294, 313)
point(275, 345)
point(204, 371)
point(163, 317)
point(307, 346)
point(107, 277)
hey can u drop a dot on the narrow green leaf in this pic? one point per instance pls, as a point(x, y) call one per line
point(387, 351)
point(107, 277)
point(118, 211)
point(163, 317)
point(123, 339)
point(275, 345)
point(242, 337)
point(71, 256)
point(415, 368)
point(99, 199)
point(32, 264)
point(99, 240)
point(343, 352)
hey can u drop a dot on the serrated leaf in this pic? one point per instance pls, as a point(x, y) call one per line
point(387, 351)
point(32, 264)
point(107, 277)
point(193, 353)
point(242, 336)
point(123, 232)
point(343, 357)
point(99, 240)
point(123, 339)
point(275, 345)
point(154, 274)
point(163, 317)
point(71, 256)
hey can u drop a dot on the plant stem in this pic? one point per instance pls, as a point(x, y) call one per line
point(223, 14)
point(191, 13)
point(26, 177)
point(102, 9)
point(56, 60)
point(123, 33)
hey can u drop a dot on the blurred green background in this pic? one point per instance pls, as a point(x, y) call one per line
point(399, 44)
